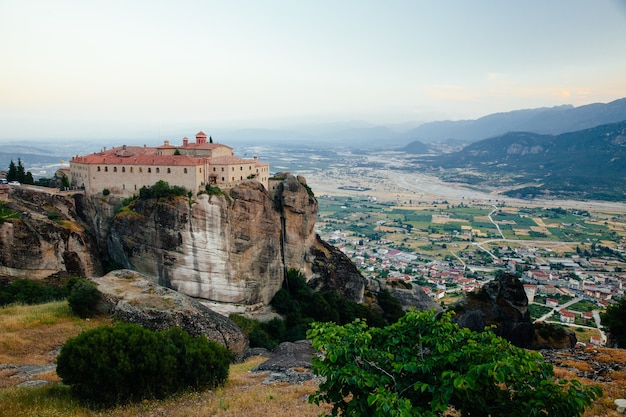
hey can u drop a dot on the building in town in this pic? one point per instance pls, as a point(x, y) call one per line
point(124, 170)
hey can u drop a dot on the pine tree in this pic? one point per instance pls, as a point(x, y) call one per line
point(20, 174)
point(12, 174)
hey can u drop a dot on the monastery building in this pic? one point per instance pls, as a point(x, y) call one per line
point(124, 170)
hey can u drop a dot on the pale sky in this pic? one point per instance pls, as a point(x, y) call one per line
point(87, 68)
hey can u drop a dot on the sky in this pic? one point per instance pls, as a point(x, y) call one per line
point(89, 68)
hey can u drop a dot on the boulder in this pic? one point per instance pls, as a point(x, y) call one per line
point(501, 303)
point(135, 298)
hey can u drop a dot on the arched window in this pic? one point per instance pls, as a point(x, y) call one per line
point(149, 170)
point(241, 168)
point(169, 170)
point(185, 170)
point(158, 170)
point(98, 169)
point(222, 179)
point(114, 169)
point(106, 169)
point(123, 169)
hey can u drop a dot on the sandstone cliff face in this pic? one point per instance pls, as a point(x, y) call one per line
point(231, 249)
point(48, 239)
point(219, 248)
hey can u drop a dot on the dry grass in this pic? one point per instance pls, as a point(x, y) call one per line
point(32, 335)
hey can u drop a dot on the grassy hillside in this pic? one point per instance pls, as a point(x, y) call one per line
point(32, 335)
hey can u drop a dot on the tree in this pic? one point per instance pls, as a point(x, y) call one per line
point(424, 364)
point(12, 173)
point(614, 319)
point(20, 174)
point(110, 365)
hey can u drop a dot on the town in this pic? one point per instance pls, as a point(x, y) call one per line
point(572, 262)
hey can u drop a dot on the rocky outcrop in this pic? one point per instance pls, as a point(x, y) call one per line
point(233, 248)
point(134, 298)
point(48, 238)
point(502, 303)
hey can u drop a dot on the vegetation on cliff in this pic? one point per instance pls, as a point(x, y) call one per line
point(425, 363)
point(301, 306)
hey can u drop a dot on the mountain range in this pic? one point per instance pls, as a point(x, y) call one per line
point(588, 164)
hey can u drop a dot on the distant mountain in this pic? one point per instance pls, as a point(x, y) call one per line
point(416, 147)
point(589, 163)
point(553, 120)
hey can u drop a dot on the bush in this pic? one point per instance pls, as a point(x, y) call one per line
point(83, 297)
point(25, 291)
point(425, 364)
point(112, 365)
point(106, 192)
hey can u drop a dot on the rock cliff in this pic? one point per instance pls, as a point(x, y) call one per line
point(48, 238)
point(233, 248)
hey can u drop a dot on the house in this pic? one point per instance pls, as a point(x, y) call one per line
point(125, 170)
point(551, 302)
point(567, 316)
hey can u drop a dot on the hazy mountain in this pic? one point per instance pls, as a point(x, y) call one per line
point(553, 120)
point(589, 162)
point(416, 147)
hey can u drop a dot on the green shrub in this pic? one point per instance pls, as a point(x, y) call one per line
point(425, 364)
point(112, 365)
point(25, 291)
point(83, 297)
point(106, 192)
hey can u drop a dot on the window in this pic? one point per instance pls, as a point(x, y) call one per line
point(106, 169)
point(222, 169)
point(185, 170)
point(233, 169)
point(123, 169)
point(201, 170)
point(222, 179)
point(169, 170)
point(158, 170)
point(131, 169)
point(149, 170)
point(214, 169)
point(114, 169)
point(140, 170)
point(98, 169)
point(241, 168)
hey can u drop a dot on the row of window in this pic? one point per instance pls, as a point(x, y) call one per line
point(157, 170)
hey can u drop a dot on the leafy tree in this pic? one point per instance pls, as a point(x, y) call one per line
point(614, 319)
point(425, 364)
